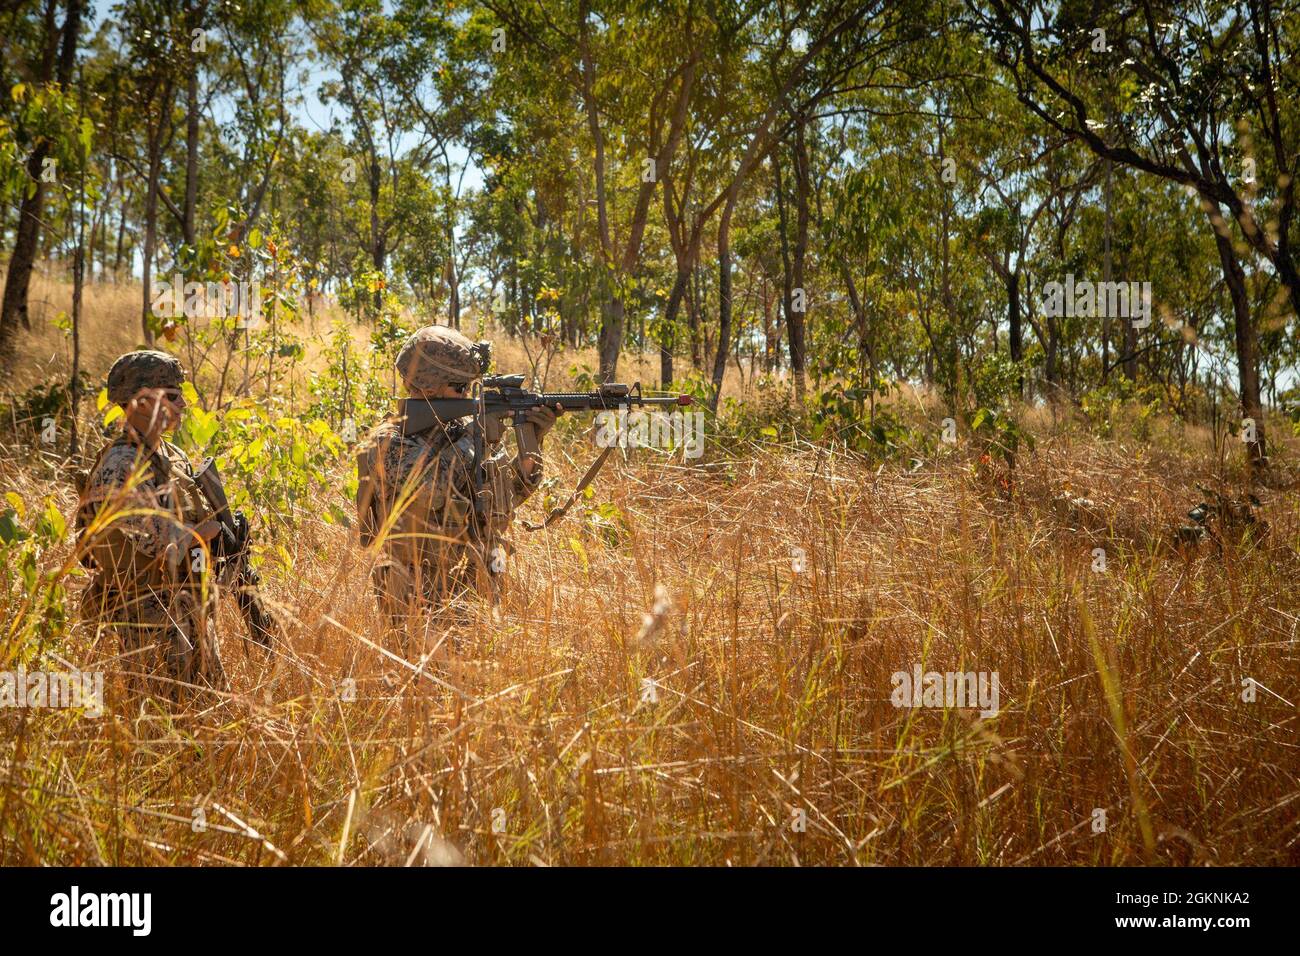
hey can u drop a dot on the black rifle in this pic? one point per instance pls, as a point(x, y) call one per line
point(503, 397)
point(232, 551)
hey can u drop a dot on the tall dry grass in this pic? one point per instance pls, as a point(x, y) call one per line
point(773, 690)
point(767, 735)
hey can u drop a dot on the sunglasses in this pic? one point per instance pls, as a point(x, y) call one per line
point(173, 395)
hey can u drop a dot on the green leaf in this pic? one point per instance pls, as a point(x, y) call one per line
point(52, 524)
point(10, 529)
point(576, 546)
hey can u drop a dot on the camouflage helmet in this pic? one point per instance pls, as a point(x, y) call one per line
point(436, 355)
point(143, 369)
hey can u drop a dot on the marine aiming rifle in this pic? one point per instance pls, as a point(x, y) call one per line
point(503, 398)
point(232, 551)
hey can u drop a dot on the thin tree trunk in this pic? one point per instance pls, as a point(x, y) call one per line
point(670, 323)
point(121, 229)
point(78, 284)
point(610, 340)
point(693, 317)
point(796, 324)
point(13, 306)
point(1016, 333)
point(724, 302)
point(377, 251)
point(1105, 275)
point(1246, 341)
point(151, 210)
point(191, 151)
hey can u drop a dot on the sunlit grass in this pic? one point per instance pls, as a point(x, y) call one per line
point(540, 741)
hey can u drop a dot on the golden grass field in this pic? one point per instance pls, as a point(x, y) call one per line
point(773, 739)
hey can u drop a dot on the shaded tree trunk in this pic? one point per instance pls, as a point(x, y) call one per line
point(1245, 339)
point(724, 304)
point(670, 320)
point(191, 152)
point(378, 250)
point(151, 209)
point(795, 324)
point(13, 306)
point(1015, 333)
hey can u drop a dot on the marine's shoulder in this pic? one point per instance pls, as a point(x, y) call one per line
point(387, 430)
point(175, 455)
point(118, 456)
point(113, 466)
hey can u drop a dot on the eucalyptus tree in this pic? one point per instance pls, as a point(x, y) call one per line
point(42, 71)
point(1201, 94)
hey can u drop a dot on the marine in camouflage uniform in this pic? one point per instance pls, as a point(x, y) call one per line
point(416, 490)
point(147, 583)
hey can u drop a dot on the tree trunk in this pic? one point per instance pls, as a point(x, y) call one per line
point(670, 323)
point(1015, 334)
point(377, 251)
point(1105, 275)
point(13, 309)
point(796, 325)
point(13, 306)
point(151, 210)
point(121, 229)
point(78, 285)
point(693, 318)
point(787, 274)
point(611, 336)
point(724, 303)
point(769, 344)
point(191, 151)
point(1246, 342)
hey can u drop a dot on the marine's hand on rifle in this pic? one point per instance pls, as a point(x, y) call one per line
point(543, 418)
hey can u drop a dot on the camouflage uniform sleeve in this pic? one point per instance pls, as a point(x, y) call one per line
point(130, 542)
point(509, 485)
point(442, 480)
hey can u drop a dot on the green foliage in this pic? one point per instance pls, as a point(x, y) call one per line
point(278, 465)
point(1103, 406)
point(584, 378)
point(995, 379)
point(1000, 433)
point(33, 591)
point(49, 399)
point(354, 384)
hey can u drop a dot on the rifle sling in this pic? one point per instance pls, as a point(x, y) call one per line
point(557, 513)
